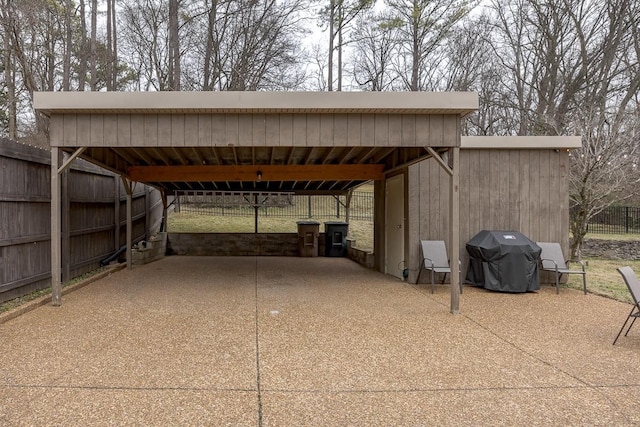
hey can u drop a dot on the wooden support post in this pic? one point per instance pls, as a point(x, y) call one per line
point(56, 221)
point(165, 207)
point(454, 228)
point(65, 217)
point(56, 246)
point(116, 212)
point(128, 185)
point(379, 224)
point(147, 213)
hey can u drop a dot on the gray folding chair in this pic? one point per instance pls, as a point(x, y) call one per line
point(633, 284)
point(553, 260)
point(435, 260)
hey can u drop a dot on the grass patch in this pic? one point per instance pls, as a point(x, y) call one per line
point(16, 302)
point(361, 231)
point(603, 279)
point(618, 237)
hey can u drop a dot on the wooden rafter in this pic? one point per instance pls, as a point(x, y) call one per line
point(158, 152)
point(183, 160)
point(349, 153)
point(143, 155)
point(125, 156)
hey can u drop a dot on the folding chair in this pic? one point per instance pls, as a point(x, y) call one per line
point(633, 284)
point(435, 259)
point(553, 260)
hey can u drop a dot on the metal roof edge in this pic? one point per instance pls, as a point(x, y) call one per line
point(61, 102)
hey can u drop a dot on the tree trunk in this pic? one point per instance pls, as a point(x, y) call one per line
point(109, 62)
point(66, 72)
point(9, 70)
point(174, 46)
point(415, 53)
point(340, 51)
point(82, 54)
point(207, 82)
point(51, 54)
point(332, 35)
point(94, 53)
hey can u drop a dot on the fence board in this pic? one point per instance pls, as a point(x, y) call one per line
point(25, 217)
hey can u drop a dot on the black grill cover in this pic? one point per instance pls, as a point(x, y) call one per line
point(504, 261)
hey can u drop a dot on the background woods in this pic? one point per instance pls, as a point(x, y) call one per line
point(541, 67)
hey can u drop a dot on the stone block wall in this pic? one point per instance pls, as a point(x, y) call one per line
point(612, 249)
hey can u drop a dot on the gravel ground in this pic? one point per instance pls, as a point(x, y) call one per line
point(313, 341)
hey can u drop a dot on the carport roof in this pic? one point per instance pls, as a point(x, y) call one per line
point(459, 103)
point(93, 119)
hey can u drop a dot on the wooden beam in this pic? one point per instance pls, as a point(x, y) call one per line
point(56, 225)
point(249, 173)
point(71, 158)
point(454, 227)
point(440, 161)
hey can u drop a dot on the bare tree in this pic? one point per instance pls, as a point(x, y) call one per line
point(68, 46)
point(174, 45)
point(574, 68)
point(248, 45)
point(145, 33)
point(8, 94)
point(339, 15)
point(374, 49)
point(82, 56)
point(111, 57)
point(422, 26)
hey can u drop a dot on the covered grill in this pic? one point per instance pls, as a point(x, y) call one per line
point(504, 261)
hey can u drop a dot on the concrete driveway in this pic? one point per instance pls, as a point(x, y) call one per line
point(247, 341)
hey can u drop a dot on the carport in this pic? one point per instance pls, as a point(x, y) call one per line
point(298, 142)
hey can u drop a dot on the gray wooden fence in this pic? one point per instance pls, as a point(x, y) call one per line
point(93, 217)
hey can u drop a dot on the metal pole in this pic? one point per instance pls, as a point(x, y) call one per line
point(255, 208)
point(626, 219)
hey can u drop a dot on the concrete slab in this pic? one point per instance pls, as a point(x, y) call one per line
point(313, 341)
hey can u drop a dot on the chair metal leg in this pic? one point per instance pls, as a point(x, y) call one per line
point(632, 322)
point(433, 283)
point(557, 282)
point(584, 283)
point(625, 324)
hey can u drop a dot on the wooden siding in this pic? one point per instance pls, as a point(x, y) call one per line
point(254, 130)
point(510, 189)
point(93, 198)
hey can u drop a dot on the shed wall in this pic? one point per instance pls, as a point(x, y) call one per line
point(508, 189)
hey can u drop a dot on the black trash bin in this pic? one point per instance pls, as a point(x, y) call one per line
point(504, 261)
point(308, 232)
point(335, 235)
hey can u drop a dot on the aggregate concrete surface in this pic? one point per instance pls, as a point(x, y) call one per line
point(274, 341)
